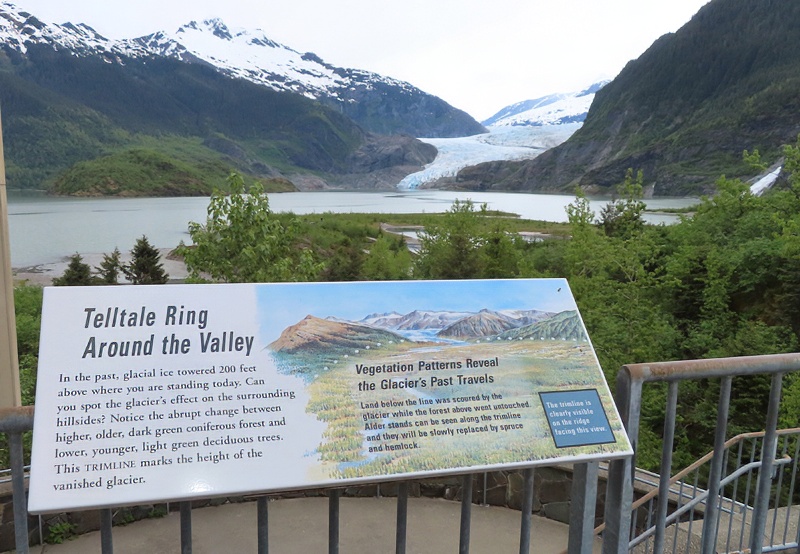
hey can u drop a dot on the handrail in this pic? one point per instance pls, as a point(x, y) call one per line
point(647, 533)
point(733, 441)
point(14, 422)
point(697, 464)
point(631, 381)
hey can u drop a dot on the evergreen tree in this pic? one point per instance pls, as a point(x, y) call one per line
point(145, 267)
point(110, 267)
point(77, 273)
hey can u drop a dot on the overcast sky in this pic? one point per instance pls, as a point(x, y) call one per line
point(478, 55)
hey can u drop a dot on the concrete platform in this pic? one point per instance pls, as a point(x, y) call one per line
point(300, 526)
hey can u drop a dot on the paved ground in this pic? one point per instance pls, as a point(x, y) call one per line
point(300, 526)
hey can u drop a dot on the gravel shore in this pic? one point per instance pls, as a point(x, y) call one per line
point(43, 274)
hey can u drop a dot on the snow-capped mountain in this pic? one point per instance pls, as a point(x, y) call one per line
point(253, 56)
point(19, 29)
point(378, 103)
point(553, 109)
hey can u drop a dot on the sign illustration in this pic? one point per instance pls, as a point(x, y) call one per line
point(173, 392)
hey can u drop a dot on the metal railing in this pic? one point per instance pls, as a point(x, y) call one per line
point(626, 530)
point(16, 421)
point(687, 499)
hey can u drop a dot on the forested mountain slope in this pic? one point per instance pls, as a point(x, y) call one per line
point(684, 111)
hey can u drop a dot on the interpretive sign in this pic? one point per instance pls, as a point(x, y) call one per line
point(158, 393)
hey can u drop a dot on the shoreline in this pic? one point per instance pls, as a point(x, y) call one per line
point(43, 274)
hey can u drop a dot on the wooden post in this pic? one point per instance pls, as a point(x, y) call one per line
point(9, 362)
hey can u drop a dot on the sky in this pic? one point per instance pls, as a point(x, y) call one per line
point(478, 55)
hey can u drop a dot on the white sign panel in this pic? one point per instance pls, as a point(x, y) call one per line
point(173, 392)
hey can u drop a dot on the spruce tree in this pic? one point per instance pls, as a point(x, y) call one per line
point(110, 267)
point(77, 273)
point(145, 267)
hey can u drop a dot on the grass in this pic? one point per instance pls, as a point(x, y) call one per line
point(527, 367)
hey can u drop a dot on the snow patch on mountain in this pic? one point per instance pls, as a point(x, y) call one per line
point(766, 181)
point(553, 109)
point(18, 28)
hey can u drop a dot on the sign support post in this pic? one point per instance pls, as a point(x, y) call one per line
point(10, 394)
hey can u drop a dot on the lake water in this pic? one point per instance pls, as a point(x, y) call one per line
point(45, 229)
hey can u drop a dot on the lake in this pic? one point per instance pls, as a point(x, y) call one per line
point(45, 229)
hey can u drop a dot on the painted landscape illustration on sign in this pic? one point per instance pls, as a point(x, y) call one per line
point(425, 389)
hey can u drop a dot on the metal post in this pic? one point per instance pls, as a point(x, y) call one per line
point(18, 490)
point(619, 496)
point(10, 392)
point(106, 524)
point(582, 507)
point(711, 516)
point(262, 521)
point(402, 518)
point(765, 471)
point(466, 514)
point(666, 466)
point(527, 509)
point(333, 522)
point(186, 527)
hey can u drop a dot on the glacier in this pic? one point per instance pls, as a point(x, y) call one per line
point(500, 143)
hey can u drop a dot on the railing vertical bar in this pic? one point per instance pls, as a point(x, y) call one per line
point(466, 514)
point(333, 521)
point(778, 489)
point(262, 521)
point(485, 485)
point(666, 466)
point(186, 527)
point(748, 488)
point(792, 484)
point(765, 471)
point(691, 512)
point(402, 518)
point(722, 497)
point(619, 496)
point(677, 521)
point(526, 510)
point(647, 524)
point(582, 507)
point(734, 493)
point(711, 519)
point(106, 525)
point(16, 456)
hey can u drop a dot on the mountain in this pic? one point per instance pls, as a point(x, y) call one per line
point(562, 326)
point(425, 319)
point(483, 324)
point(69, 95)
point(379, 104)
point(553, 109)
point(489, 323)
point(683, 112)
